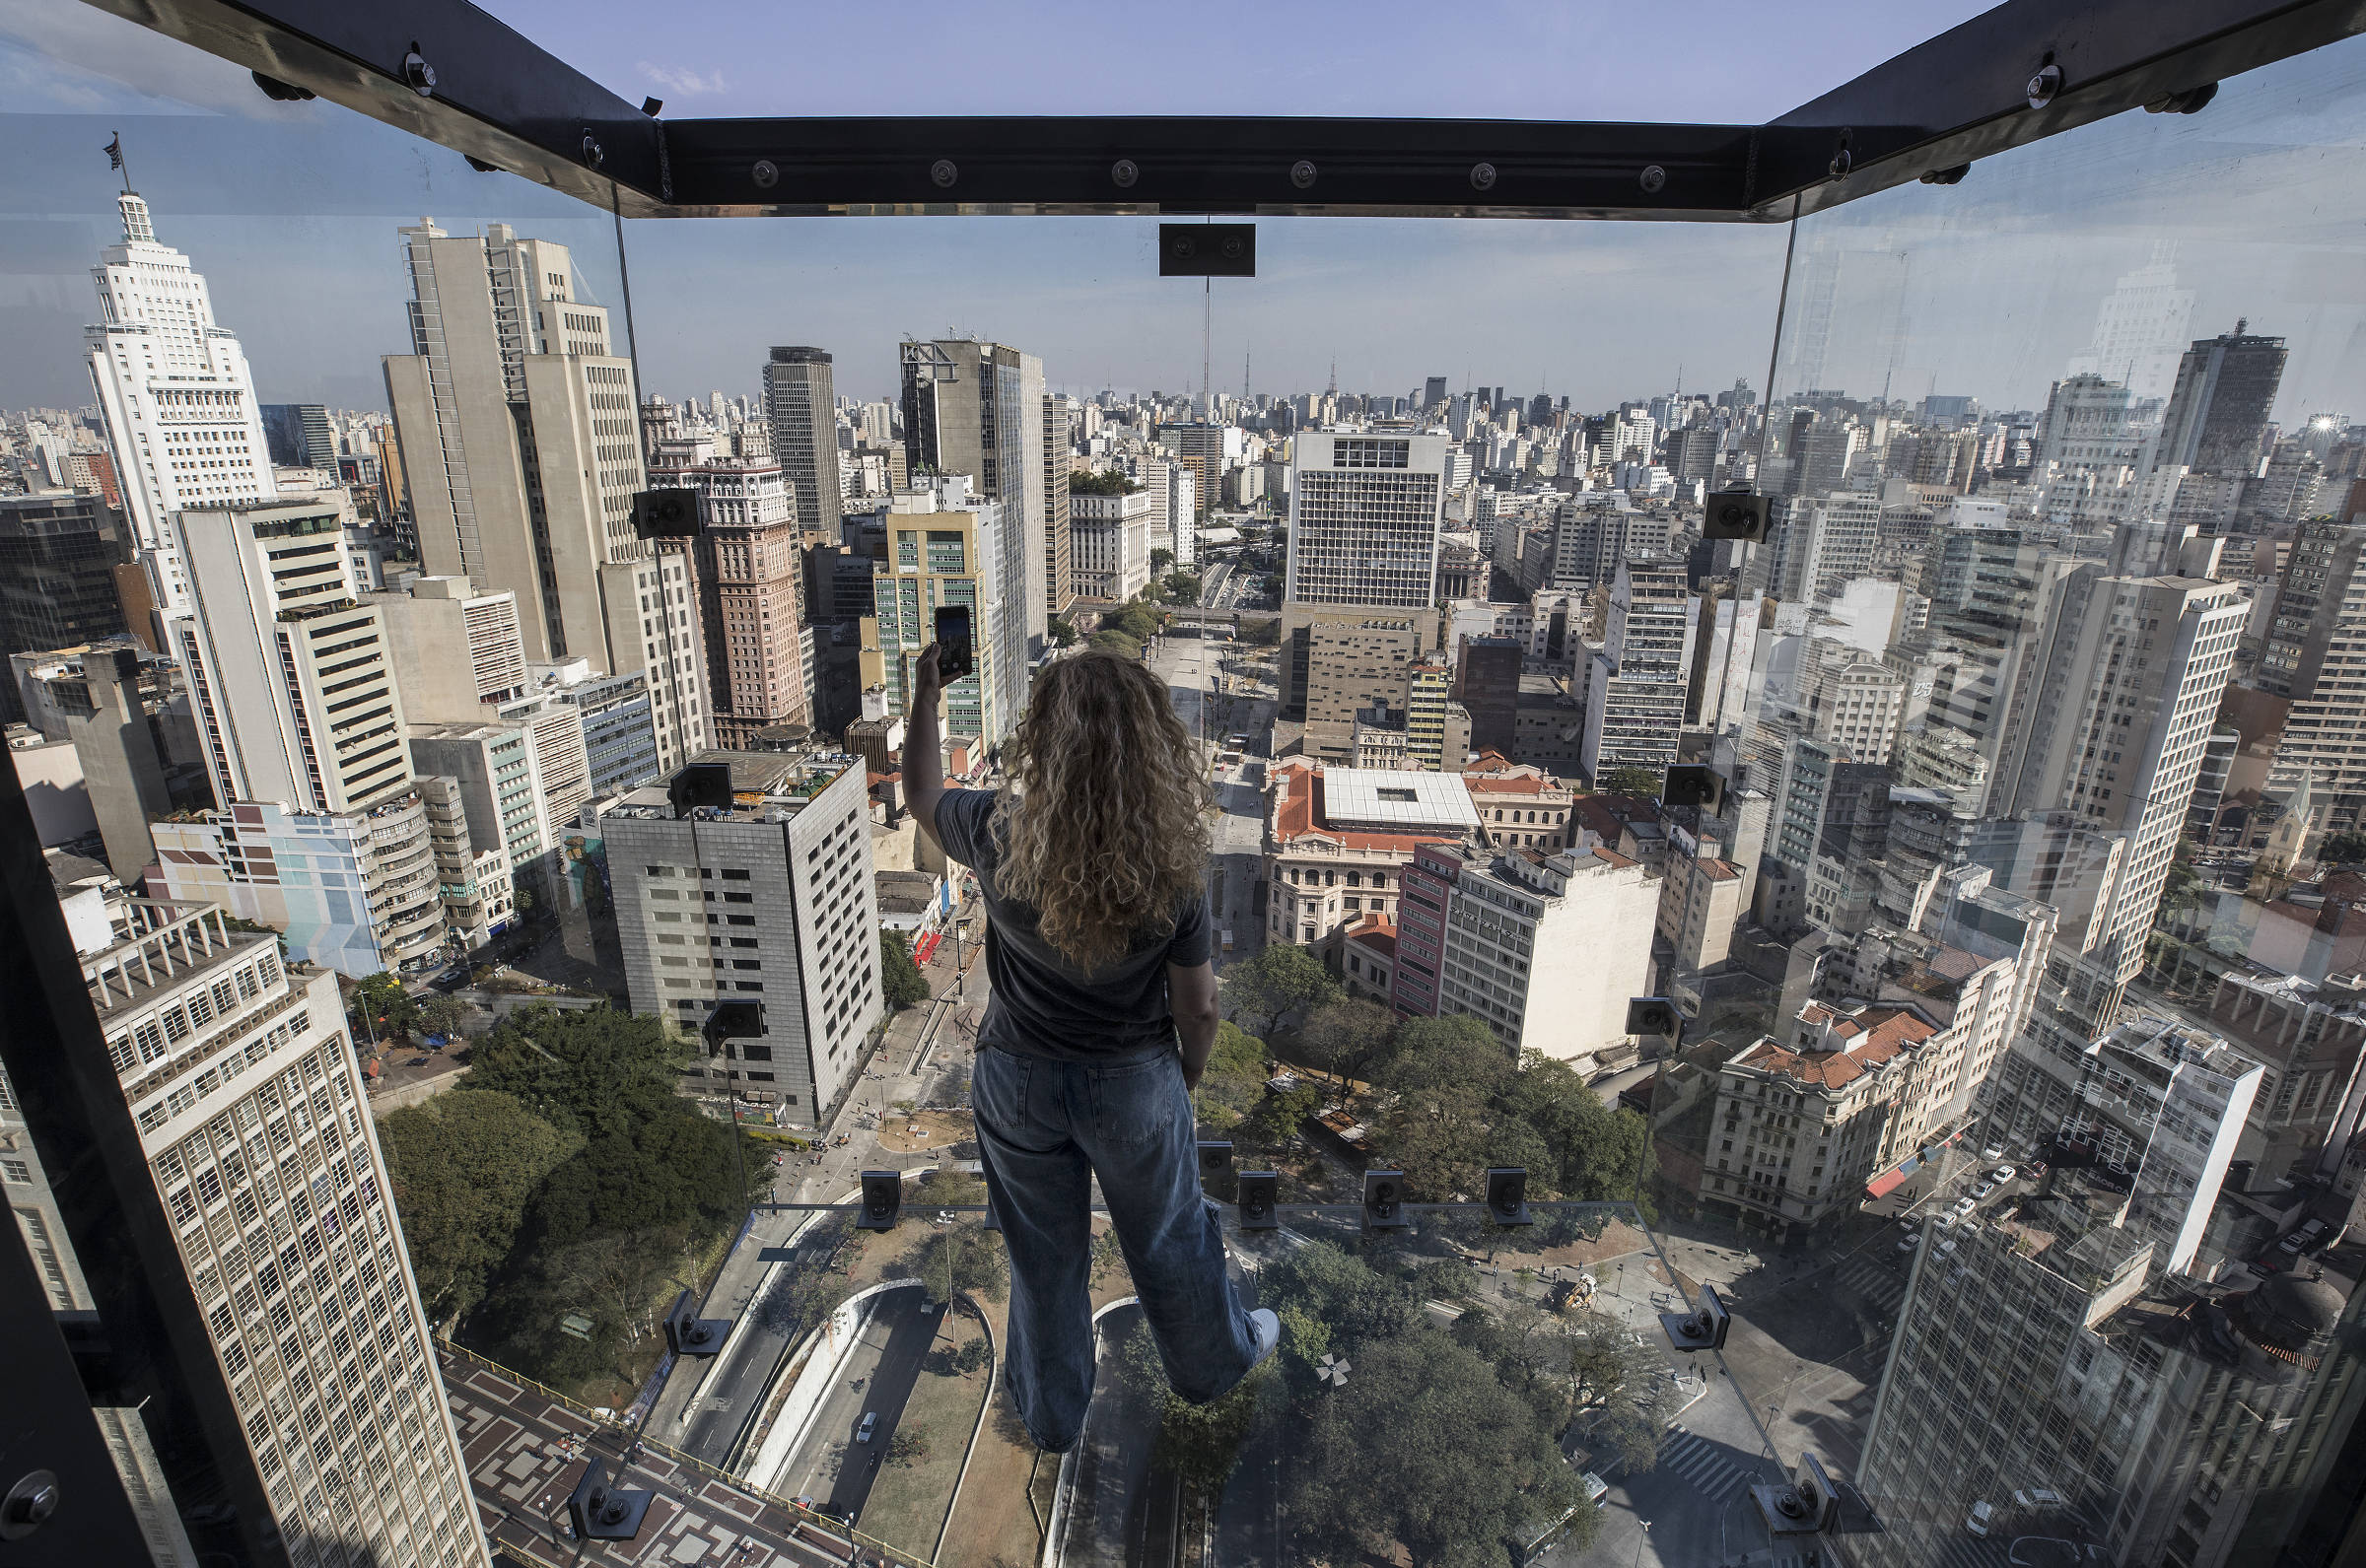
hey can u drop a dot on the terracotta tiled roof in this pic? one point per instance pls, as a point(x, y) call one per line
point(1612, 859)
point(1376, 932)
point(1867, 1040)
point(1717, 870)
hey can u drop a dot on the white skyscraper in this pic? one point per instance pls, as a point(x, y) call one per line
point(2141, 330)
point(176, 393)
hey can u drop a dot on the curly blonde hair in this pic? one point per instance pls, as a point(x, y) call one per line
point(1100, 825)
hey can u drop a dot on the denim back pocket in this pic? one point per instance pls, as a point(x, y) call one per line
point(998, 1088)
point(1137, 1103)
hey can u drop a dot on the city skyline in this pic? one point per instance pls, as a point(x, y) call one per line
point(1595, 312)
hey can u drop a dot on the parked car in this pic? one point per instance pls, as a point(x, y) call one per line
point(2038, 1497)
point(2002, 1173)
point(1965, 1205)
point(1977, 1521)
point(1946, 1221)
point(1907, 1245)
point(1984, 1189)
point(2292, 1244)
point(871, 1419)
point(1994, 1151)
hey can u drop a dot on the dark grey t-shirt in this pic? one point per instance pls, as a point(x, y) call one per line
point(1042, 1005)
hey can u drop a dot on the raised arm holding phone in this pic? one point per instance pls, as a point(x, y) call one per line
point(1091, 860)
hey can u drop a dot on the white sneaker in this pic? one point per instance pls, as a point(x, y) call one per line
point(1265, 1330)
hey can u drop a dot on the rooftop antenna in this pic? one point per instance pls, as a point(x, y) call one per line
point(1333, 375)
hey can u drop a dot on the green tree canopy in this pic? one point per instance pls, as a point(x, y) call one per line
point(1107, 482)
point(1234, 1082)
point(463, 1165)
point(962, 1257)
point(1161, 558)
point(1183, 588)
point(1261, 632)
point(381, 1007)
point(900, 978)
point(1628, 782)
point(1061, 631)
point(1109, 637)
point(2342, 848)
point(1281, 980)
point(1138, 621)
point(1424, 1447)
point(1345, 1037)
point(1454, 1102)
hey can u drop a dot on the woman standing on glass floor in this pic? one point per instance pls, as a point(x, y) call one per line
point(1092, 863)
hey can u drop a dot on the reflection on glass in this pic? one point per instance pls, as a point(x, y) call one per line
point(2048, 697)
point(2013, 1067)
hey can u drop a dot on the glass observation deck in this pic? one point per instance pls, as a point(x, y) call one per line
point(1786, 881)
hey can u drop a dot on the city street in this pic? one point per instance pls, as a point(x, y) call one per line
point(710, 1428)
point(830, 1465)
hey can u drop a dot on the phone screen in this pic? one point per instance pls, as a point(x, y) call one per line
point(953, 657)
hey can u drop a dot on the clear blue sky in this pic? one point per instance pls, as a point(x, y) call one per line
point(291, 211)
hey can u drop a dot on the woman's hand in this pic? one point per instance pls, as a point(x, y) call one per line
point(927, 683)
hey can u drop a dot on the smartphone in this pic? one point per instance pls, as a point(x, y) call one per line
point(955, 658)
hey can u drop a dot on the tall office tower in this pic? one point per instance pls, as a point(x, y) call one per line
point(1636, 680)
point(1364, 519)
point(1364, 513)
point(2108, 724)
point(2139, 330)
point(1852, 700)
point(1587, 542)
point(1182, 515)
point(1202, 447)
point(57, 578)
point(977, 409)
point(520, 438)
point(1437, 729)
point(2071, 1341)
point(1433, 392)
point(1059, 546)
point(1487, 682)
point(2218, 409)
point(750, 572)
point(176, 394)
point(1110, 557)
point(251, 1118)
point(946, 548)
point(324, 832)
point(300, 436)
point(780, 910)
point(2316, 637)
point(800, 404)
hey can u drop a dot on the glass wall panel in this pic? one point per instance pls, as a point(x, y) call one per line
point(470, 668)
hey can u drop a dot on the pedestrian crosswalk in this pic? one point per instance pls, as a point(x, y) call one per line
point(1713, 1471)
point(1876, 1281)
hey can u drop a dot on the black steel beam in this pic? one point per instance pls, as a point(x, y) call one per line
point(496, 96)
point(1196, 165)
point(1965, 94)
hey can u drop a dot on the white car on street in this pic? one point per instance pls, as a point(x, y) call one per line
point(1965, 1205)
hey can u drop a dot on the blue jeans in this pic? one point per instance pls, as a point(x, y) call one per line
point(1045, 1129)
